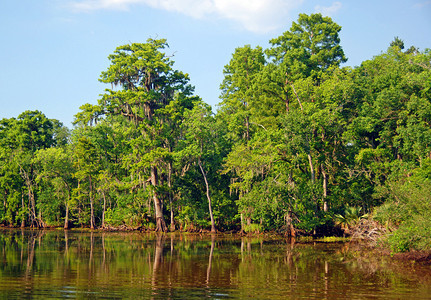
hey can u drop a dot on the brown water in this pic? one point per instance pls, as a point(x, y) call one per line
point(85, 265)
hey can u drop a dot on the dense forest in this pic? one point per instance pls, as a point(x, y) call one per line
point(300, 144)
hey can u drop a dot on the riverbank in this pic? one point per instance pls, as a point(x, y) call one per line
point(364, 246)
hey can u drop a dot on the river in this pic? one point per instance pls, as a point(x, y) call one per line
point(58, 264)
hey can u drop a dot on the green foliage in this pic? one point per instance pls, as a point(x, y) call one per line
point(311, 45)
point(50, 207)
point(20, 139)
point(408, 210)
point(253, 228)
point(132, 218)
point(350, 217)
point(412, 235)
point(297, 143)
point(152, 98)
point(239, 92)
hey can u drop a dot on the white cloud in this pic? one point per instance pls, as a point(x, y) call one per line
point(194, 8)
point(422, 4)
point(89, 5)
point(328, 10)
point(254, 15)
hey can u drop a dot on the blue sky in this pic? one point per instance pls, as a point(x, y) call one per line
point(53, 51)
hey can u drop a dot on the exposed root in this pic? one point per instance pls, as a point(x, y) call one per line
point(367, 230)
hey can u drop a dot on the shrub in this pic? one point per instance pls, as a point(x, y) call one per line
point(253, 228)
point(409, 211)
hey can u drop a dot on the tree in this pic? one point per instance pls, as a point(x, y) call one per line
point(20, 139)
point(392, 125)
point(13, 209)
point(240, 102)
point(87, 165)
point(297, 113)
point(55, 170)
point(397, 42)
point(310, 47)
point(148, 83)
point(199, 145)
point(238, 92)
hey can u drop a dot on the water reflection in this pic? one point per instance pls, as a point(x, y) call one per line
point(89, 265)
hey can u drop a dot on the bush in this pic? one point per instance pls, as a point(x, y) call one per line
point(413, 234)
point(126, 216)
point(409, 212)
point(253, 228)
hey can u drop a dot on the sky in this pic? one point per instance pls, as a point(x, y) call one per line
point(52, 52)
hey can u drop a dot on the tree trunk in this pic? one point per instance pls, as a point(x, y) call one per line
point(79, 203)
point(286, 102)
point(31, 202)
point(91, 204)
point(34, 220)
point(104, 209)
point(160, 221)
point(170, 196)
point(325, 190)
point(290, 230)
point(313, 173)
point(296, 94)
point(66, 218)
point(32, 205)
point(213, 228)
point(22, 204)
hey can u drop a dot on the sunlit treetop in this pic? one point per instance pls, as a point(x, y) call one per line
point(311, 44)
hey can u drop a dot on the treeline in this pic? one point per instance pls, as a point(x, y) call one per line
point(297, 141)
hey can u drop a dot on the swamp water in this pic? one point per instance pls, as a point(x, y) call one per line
point(100, 265)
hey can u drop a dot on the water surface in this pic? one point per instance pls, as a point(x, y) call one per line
point(92, 265)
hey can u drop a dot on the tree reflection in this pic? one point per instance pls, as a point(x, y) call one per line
point(132, 265)
point(210, 259)
point(158, 258)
